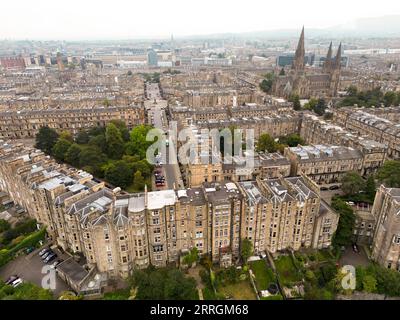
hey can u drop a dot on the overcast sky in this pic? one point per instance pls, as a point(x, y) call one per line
point(119, 19)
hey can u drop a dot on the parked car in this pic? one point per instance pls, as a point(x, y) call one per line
point(17, 282)
point(11, 279)
point(50, 258)
point(333, 187)
point(47, 254)
point(56, 263)
point(29, 250)
point(355, 248)
point(43, 251)
point(323, 188)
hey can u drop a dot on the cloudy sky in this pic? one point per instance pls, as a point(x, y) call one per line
point(127, 19)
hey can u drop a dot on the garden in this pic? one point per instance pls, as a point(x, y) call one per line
point(264, 278)
point(231, 283)
point(23, 236)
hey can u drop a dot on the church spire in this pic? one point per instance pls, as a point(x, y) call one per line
point(298, 63)
point(328, 60)
point(338, 59)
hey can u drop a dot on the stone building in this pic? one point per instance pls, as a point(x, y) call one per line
point(286, 213)
point(26, 124)
point(310, 82)
point(118, 232)
point(377, 128)
point(317, 131)
point(386, 239)
point(324, 164)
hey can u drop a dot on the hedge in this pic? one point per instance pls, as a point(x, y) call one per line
point(7, 255)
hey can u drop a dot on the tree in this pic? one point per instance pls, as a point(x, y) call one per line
point(114, 141)
point(137, 144)
point(25, 291)
point(138, 181)
point(72, 155)
point(266, 84)
point(46, 138)
point(82, 137)
point(352, 183)
point(60, 148)
point(352, 91)
point(163, 284)
point(119, 174)
point(106, 102)
point(4, 225)
point(389, 174)
point(122, 129)
point(246, 249)
point(99, 141)
point(295, 99)
point(66, 135)
point(191, 257)
point(266, 143)
point(320, 107)
point(369, 283)
point(292, 140)
point(390, 98)
point(91, 159)
point(344, 232)
point(370, 188)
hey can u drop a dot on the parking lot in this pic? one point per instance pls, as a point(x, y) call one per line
point(355, 259)
point(29, 268)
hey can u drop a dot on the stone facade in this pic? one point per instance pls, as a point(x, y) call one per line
point(386, 240)
point(307, 82)
point(118, 232)
point(26, 124)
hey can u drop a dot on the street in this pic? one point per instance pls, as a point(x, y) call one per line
point(157, 117)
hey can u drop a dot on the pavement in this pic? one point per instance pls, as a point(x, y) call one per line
point(156, 110)
point(349, 257)
point(328, 195)
point(29, 268)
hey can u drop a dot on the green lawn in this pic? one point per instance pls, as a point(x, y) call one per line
point(122, 294)
point(239, 291)
point(288, 273)
point(264, 275)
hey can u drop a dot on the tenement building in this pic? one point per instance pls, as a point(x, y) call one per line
point(377, 128)
point(317, 131)
point(386, 240)
point(286, 213)
point(324, 164)
point(26, 124)
point(118, 232)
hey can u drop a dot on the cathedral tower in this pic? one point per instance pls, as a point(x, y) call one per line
point(298, 62)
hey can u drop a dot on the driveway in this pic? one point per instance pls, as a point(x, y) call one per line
point(29, 268)
point(350, 257)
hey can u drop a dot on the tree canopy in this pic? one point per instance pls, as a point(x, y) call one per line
point(46, 139)
point(163, 284)
point(266, 143)
point(344, 232)
point(389, 174)
point(246, 249)
point(352, 183)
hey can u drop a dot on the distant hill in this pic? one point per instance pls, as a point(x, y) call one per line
point(385, 26)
